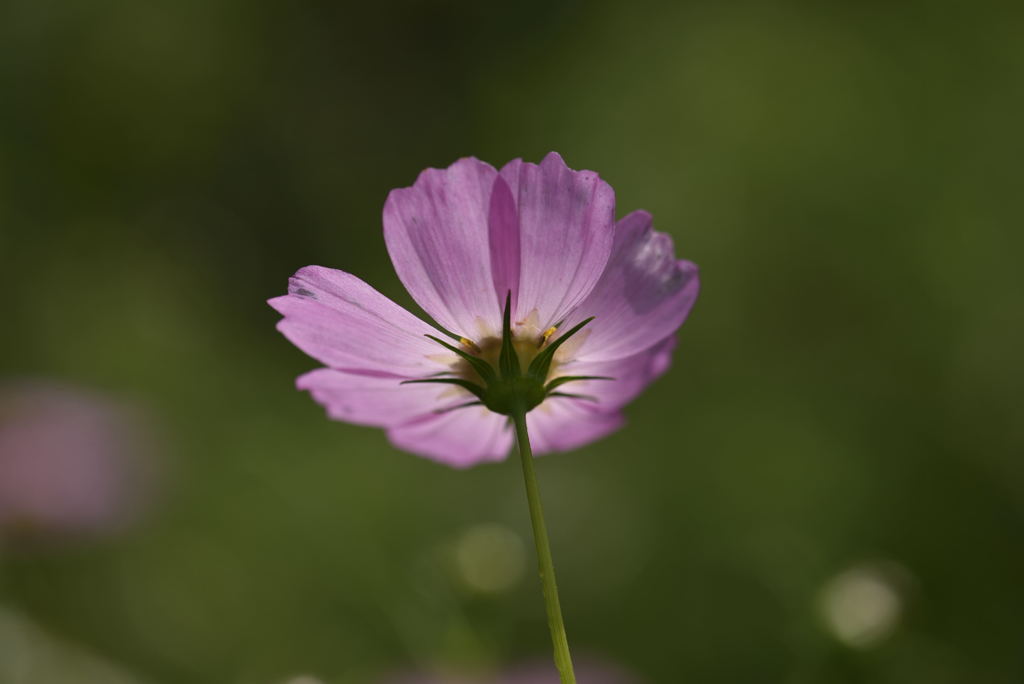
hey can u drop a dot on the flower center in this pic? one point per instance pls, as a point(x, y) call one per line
point(526, 347)
point(508, 375)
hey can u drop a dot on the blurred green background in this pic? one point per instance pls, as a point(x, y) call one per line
point(828, 485)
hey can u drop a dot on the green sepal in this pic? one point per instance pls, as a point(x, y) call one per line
point(476, 389)
point(449, 333)
point(558, 382)
point(541, 364)
point(458, 406)
point(570, 395)
point(482, 368)
point(508, 359)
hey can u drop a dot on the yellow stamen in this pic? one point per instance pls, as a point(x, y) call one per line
point(547, 333)
point(466, 342)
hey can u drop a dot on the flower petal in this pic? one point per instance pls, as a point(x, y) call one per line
point(562, 424)
point(503, 229)
point(644, 295)
point(377, 399)
point(344, 323)
point(460, 438)
point(566, 221)
point(437, 235)
point(630, 375)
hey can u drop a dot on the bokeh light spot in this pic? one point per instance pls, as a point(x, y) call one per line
point(490, 558)
point(304, 679)
point(863, 605)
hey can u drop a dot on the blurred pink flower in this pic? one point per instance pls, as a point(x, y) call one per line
point(462, 240)
point(72, 462)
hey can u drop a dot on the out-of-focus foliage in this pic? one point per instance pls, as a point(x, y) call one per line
point(828, 486)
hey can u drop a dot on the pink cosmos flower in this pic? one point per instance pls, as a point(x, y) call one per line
point(523, 268)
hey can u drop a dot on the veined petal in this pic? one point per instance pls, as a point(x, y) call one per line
point(377, 399)
point(644, 295)
point(630, 376)
point(563, 423)
point(437, 235)
point(460, 438)
point(566, 221)
point(344, 323)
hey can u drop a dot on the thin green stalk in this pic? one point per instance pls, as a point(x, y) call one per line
point(563, 661)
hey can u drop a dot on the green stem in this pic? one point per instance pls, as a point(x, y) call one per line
point(563, 661)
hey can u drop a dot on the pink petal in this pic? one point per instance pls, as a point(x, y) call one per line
point(437, 235)
point(344, 323)
point(631, 375)
point(566, 221)
point(377, 399)
point(644, 295)
point(460, 438)
point(562, 424)
point(503, 229)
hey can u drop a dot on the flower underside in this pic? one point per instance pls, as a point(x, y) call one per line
point(508, 375)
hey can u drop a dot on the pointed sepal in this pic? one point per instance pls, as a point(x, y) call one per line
point(449, 409)
point(541, 364)
point(570, 395)
point(508, 359)
point(472, 387)
point(482, 368)
point(558, 382)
